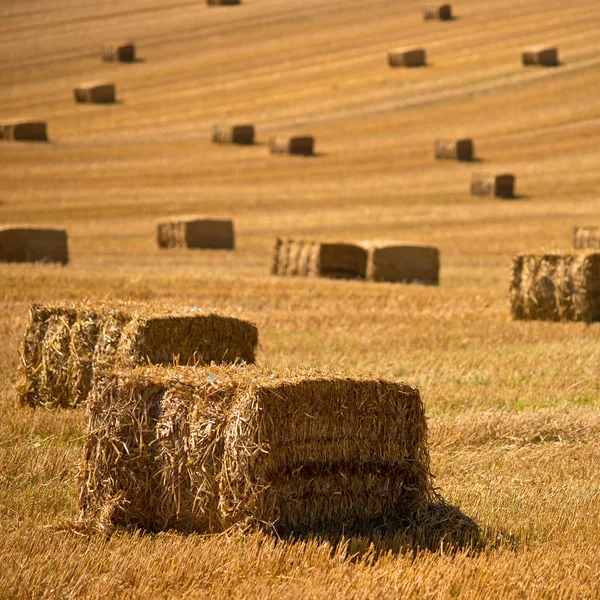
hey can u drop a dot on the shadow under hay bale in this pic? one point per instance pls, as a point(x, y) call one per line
point(97, 93)
point(196, 232)
point(403, 262)
point(286, 451)
point(65, 344)
point(33, 244)
point(401, 57)
point(120, 52)
point(304, 146)
point(586, 237)
point(455, 149)
point(23, 130)
point(545, 57)
point(319, 259)
point(233, 134)
point(556, 287)
point(495, 186)
point(440, 13)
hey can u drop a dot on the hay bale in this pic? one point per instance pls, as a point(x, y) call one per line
point(118, 51)
point(319, 259)
point(98, 93)
point(546, 57)
point(586, 237)
point(24, 130)
point(223, 2)
point(498, 186)
point(233, 134)
point(401, 57)
point(33, 244)
point(556, 287)
point(196, 232)
point(455, 149)
point(292, 145)
point(201, 449)
point(403, 262)
point(441, 13)
point(65, 344)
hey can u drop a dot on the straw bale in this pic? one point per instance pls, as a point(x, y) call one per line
point(202, 449)
point(556, 287)
point(118, 51)
point(23, 130)
point(196, 232)
point(441, 13)
point(33, 244)
point(223, 2)
point(454, 149)
point(586, 237)
point(546, 57)
point(65, 344)
point(292, 145)
point(233, 134)
point(403, 262)
point(98, 93)
point(498, 186)
point(401, 57)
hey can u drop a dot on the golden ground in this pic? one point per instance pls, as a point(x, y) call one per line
point(529, 472)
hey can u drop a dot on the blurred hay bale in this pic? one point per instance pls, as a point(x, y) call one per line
point(498, 186)
point(454, 149)
point(441, 13)
point(33, 244)
point(292, 145)
point(118, 51)
point(65, 344)
point(223, 2)
point(98, 93)
point(586, 237)
point(196, 232)
point(319, 259)
point(233, 134)
point(201, 449)
point(556, 287)
point(24, 130)
point(401, 57)
point(402, 262)
point(541, 56)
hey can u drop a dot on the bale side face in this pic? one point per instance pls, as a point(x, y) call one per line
point(33, 245)
point(236, 134)
point(407, 58)
point(210, 234)
point(499, 186)
point(124, 52)
point(98, 94)
point(342, 261)
point(292, 145)
point(223, 2)
point(454, 149)
point(586, 237)
point(404, 263)
point(31, 131)
point(442, 13)
point(546, 57)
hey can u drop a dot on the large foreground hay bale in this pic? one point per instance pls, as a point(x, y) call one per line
point(546, 57)
point(586, 237)
point(118, 51)
point(196, 232)
point(233, 134)
point(403, 262)
point(23, 130)
point(401, 57)
point(33, 244)
point(556, 287)
point(65, 344)
point(292, 145)
point(201, 449)
point(498, 186)
point(441, 13)
point(319, 259)
point(454, 149)
point(99, 93)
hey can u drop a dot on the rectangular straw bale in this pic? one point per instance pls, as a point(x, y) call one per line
point(201, 449)
point(547, 57)
point(65, 344)
point(22, 130)
point(33, 244)
point(223, 2)
point(304, 146)
point(498, 186)
point(233, 134)
point(454, 149)
point(401, 57)
point(196, 232)
point(556, 287)
point(586, 237)
point(99, 93)
point(118, 51)
point(403, 262)
point(441, 13)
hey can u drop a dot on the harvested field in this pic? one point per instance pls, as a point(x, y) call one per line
point(556, 287)
point(292, 145)
point(544, 57)
point(289, 450)
point(586, 237)
point(403, 262)
point(496, 186)
point(441, 13)
point(192, 232)
point(64, 346)
point(22, 130)
point(455, 149)
point(120, 51)
point(97, 93)
point(233, 134)
point(401, 57)
point(33, 244)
